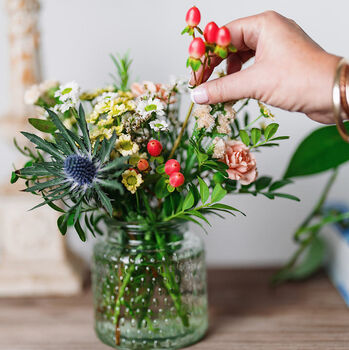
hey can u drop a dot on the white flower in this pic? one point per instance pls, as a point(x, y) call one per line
point(32, 95)
point(69, 91)
point(106, 96)
point(159, 125)
point(146, 107)
point(219, 148)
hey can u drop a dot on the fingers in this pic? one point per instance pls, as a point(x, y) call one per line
point(235, 86)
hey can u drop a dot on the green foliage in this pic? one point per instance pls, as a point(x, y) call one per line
point(43, 125)
point(122, 65)
point(322, 150)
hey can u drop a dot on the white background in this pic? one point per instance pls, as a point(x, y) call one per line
point(77, 37)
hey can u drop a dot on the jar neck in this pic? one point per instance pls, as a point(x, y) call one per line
point(135, 234)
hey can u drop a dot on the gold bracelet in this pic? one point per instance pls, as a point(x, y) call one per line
point(344, 83)
point(337, 103)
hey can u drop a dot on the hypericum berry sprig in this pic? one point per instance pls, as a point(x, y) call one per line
point(216, 41)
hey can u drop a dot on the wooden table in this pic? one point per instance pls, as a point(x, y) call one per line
point(245, 313)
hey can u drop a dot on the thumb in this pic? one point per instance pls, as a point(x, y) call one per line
point(242, 84)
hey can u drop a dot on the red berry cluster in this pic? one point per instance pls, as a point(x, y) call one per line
point(217, 41)
point(172, 167)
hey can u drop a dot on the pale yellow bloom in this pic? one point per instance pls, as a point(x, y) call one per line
point(219, 148)
point(265, 111)
point(131, 180)
point(223, 124)
point(126, 146)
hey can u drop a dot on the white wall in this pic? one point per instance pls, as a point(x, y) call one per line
point(78, 36)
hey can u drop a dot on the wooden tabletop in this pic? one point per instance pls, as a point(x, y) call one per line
point(245, 313)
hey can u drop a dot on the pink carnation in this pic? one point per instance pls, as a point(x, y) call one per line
point(241, 162)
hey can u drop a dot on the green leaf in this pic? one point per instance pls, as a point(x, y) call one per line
point(161, 188)
point(14, 177)
point(44, 145)
point(84, 128)
point(286, 195)
point(188, 201)
point(322, 150)
point(62, 224)
point(170, 188)
point(244, 137)
point(43, 125)
point(160, 169)
point(199, 215)
point(312, 261)
point(270, 130)
point(105, 200)
point(218, 193)
point(227, 207)
point(64, 131)
point(80, 231)
point(114, 185)
point(262, 182)
point(278, 184)
point(204, 190)
point(255, 135)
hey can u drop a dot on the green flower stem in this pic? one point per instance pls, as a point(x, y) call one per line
point(243, 106)
point(173, 216)
point(117, 311)
point(305, 243)
point(318, 207)
point(169, 281)
point(253, 122)
point(180, 135)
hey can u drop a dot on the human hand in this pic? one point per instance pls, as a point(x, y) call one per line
point(290, 70)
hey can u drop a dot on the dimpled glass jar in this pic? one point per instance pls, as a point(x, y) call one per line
point(149, 286)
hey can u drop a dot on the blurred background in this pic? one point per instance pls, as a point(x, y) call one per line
point(76, 39)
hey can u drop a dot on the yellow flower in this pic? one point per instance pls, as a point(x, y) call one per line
point(103, 132)
point(126, 146)
point(131, 180)
point(265, 111)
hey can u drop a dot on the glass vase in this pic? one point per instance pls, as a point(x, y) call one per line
point(149, 286)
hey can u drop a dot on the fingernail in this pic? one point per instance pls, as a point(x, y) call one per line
point(199, 95)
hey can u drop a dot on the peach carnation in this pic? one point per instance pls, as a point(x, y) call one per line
point(241, 162)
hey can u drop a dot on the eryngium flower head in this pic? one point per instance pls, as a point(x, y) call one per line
point(80, 170)
point(80, 175)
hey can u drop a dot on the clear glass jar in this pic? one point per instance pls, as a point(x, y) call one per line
point(149, 286)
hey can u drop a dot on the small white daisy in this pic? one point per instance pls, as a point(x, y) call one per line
point(106, 96)
point(159, 125)
point(149, 106)
point(69, 91)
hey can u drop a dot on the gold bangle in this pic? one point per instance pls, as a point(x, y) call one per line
point(344, 83)
point(336, 96)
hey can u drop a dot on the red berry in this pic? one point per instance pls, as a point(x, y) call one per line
point(142, 164)
point(223, 37)
point(154, 148)
point(197, 48)
point(210, 32)
point(176, 179)
point(193, 17)
point(172, 166)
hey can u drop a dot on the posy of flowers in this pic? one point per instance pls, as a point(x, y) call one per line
point(122, 152)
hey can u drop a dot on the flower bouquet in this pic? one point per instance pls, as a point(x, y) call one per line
point(120, 163)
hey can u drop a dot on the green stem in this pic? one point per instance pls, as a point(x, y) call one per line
point(243, 106)
point(178, 140)
point(318, 207)
point(169, 281)
point(254, 121)
point(306, 242)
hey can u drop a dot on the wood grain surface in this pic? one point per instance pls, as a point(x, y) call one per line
point(245, 313)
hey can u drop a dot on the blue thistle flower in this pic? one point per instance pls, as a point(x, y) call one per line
point(80, 175)
point(81, 171)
